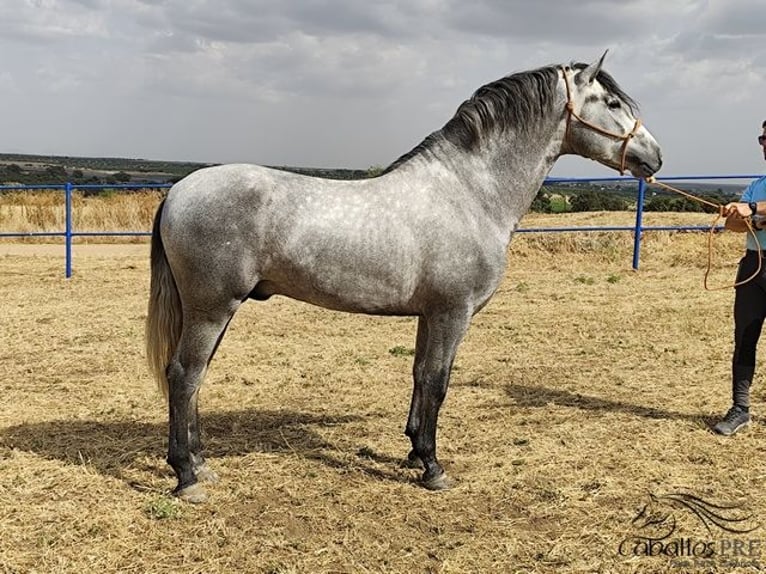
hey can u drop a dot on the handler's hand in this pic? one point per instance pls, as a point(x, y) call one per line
point(738, 209)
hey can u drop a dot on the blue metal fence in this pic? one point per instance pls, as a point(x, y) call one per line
point(69, 233)
point(638, 228)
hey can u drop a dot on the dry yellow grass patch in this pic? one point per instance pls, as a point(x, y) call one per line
point(44, 211)
point(579, 390)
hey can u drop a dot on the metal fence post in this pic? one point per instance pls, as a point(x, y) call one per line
point(68, 230)
point(639, 223)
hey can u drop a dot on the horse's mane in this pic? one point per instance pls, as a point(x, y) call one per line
point(519, 100)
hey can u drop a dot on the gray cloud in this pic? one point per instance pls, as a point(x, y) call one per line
point(346, 83)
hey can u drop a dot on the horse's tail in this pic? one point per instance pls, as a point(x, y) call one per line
point(164, 319)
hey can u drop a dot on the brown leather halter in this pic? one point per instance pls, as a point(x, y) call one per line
point(571, 112)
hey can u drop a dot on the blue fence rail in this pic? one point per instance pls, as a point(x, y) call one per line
point(69, 232)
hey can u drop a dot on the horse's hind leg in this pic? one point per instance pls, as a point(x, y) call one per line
point(201, 469)
point(433, 363)
point(186, 371)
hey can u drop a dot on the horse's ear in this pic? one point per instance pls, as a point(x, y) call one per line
point(589, 74)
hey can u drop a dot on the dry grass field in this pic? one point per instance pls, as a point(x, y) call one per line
point(580, 391)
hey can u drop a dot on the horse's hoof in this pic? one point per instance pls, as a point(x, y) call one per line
point(438, 482)
point(205, 474)
point(194, 493)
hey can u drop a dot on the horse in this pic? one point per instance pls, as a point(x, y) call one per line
point(427, 238)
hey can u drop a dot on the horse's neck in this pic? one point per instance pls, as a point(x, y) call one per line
point(520, 162)
point(504, 177)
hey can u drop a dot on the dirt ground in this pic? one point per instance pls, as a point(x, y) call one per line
point(581, 400)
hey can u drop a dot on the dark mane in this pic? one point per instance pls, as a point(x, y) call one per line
point(519, 100)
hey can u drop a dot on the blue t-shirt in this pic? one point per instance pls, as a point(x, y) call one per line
point(756, 191)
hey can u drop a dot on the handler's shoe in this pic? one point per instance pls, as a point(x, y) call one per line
point(734, 420)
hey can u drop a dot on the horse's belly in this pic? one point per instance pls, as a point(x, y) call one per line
point(355, 293)
point(342, 271)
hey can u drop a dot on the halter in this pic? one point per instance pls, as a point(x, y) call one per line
point(624, 137)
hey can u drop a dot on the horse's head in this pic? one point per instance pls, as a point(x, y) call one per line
point(601, 122)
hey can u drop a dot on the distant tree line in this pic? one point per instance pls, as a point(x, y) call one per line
point(59, 174)
point(56, 175)
point(333, 173)
point(593, 200)
point(175, 169)
point(681, 203)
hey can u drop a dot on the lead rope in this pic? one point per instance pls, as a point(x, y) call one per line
point(652, 181)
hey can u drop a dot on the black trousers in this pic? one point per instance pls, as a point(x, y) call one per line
point(749, 314)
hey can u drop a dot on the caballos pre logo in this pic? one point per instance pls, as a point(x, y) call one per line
point(728, 531)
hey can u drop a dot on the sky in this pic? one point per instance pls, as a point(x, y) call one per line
point(355, 84)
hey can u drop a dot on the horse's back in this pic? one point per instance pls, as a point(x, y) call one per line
point(308, 238)
point(381, 245)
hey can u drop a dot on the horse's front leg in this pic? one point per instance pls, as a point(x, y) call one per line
point(433, 362)
point(418, 375)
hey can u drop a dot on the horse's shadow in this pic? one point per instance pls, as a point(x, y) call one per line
point(119, 448)
point(532, 396)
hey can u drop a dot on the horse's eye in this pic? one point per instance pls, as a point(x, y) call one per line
point(614, 104)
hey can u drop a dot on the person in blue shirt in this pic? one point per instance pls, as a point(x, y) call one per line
point(749, 298)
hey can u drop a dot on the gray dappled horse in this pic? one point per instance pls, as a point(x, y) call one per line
point(427, 238)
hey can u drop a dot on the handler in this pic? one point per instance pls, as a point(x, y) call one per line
point(749, 299)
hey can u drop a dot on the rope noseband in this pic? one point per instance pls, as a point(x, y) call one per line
point(572, 113)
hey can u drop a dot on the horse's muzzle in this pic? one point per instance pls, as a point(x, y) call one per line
point(644, 167)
